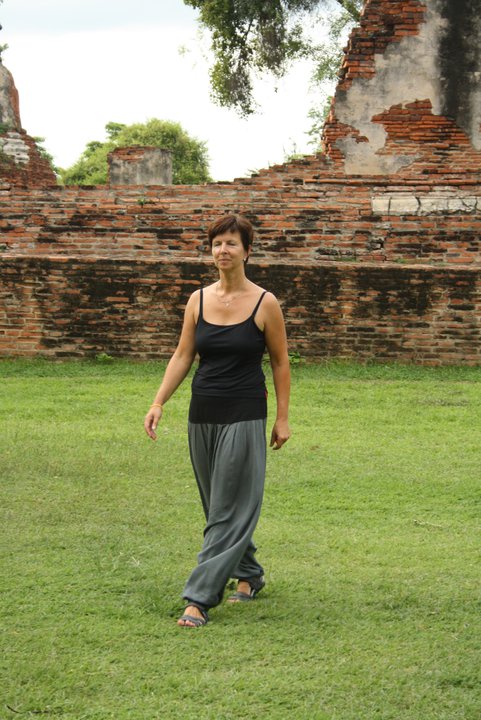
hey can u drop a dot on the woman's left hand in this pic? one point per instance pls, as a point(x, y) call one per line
point(280, 434)
point(151, 421)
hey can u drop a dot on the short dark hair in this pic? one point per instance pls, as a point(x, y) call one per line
point(232, 223)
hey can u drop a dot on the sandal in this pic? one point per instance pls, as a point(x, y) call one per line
point(256, 585)
point(195, 621)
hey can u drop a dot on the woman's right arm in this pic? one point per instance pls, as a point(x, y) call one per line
point(177, 368)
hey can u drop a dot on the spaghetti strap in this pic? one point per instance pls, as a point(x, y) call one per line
point(258, 303)
point(201, 303)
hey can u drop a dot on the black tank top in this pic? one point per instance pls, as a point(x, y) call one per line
point(229, 384)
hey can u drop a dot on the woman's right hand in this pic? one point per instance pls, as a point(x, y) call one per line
point(151, 421)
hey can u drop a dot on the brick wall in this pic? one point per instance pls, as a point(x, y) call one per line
point(372, 248)
point(61, 306)
point(300, 216)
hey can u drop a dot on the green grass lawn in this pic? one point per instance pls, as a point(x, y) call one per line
point(370, 536)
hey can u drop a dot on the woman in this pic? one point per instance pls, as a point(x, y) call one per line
point(229, 324)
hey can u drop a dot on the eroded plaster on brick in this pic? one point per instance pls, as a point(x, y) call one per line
point(13, 145)
point(407, 71)
point(9, 103)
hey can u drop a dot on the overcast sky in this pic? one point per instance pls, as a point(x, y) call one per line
point(79, 64)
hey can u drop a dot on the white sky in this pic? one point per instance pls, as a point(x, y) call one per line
point(79, 64)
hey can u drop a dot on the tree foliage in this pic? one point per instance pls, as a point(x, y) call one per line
point(251, 36)
point(44, 153)
point(189, 156)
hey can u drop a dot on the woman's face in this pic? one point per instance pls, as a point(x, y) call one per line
point(228, 250)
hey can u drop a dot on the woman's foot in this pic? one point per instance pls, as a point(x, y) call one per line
point(247, 590)
point(193, 617)
point(242, 587)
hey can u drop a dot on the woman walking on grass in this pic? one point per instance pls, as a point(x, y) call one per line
point(229, 324)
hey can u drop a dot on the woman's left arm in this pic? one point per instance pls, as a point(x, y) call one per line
point(276, 342)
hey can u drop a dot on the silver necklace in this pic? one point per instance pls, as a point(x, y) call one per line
point(225, 302)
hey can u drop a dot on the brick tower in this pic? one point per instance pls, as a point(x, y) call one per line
point(20, 160)
point(408, 102)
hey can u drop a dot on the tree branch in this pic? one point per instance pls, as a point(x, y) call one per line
point(350, 7)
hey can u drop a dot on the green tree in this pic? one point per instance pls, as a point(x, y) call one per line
point(253, 36)
point(40, 143)
point(189, 156)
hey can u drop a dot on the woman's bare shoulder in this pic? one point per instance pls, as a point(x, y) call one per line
point(193, 304)
point(194, 297)
point(270, 309)
point(270, 299)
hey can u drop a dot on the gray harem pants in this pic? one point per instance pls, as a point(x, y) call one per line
point(229, 463)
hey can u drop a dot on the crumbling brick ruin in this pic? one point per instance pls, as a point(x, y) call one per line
point(21, 164)
point(373, 247)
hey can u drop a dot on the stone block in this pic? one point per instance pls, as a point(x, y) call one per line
point(403, 204)
point(140, 166)
point(433, 204)
point(380, 204)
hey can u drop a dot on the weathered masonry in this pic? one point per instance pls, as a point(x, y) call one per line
point(373, 247)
